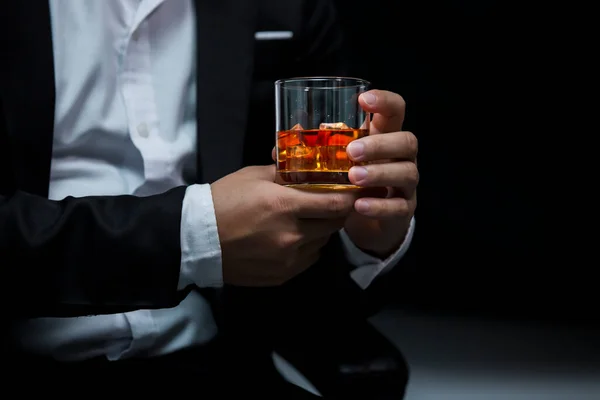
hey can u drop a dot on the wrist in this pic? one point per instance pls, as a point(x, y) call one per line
point(383, 250)
point(379, 238)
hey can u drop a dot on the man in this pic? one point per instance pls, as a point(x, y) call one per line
point(145, 111)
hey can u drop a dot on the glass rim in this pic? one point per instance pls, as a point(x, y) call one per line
point(357, 82)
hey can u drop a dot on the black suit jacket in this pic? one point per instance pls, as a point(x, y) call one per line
point(106, 254)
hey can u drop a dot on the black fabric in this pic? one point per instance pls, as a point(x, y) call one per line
point(202, 370)
point(349, 360)
point(316, 322)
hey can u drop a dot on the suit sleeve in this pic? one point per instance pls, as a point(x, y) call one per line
point(89, 255)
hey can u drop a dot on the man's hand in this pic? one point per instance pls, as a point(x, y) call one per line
point(271, 233)
point(381, 222)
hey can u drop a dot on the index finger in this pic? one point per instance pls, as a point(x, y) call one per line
point(389, 109)
point(322, 203)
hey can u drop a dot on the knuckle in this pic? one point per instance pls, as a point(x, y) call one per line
point(377, 209)
point(392, 100)
point(412, 143)
point(372, 146)
point(401, 101)
point(288, 240)
point(412, 174)
point(376, 173)
point(402, 208)
point(337, 204)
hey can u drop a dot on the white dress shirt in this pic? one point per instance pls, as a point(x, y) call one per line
point(125, 123)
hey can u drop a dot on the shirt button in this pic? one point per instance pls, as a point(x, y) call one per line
point(143, 130)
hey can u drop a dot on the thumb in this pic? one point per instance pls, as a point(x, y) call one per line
point(261, 172)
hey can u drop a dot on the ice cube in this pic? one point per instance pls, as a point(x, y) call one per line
point(297, 127)
point(301, 158)
point(300, 151)
point(287, 140)
point(333, 125)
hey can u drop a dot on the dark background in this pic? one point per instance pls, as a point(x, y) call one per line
point(488, 239)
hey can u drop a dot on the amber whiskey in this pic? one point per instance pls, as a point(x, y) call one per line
point(316, 158)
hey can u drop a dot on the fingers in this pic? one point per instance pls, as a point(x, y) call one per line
point(384, 208)
point(402, 174)
point(274, 154)
point(395, 145)
point(321, 204)
point(389, 109)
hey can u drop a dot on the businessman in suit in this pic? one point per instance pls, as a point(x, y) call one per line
point(125, 127)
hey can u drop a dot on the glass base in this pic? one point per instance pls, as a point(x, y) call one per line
point(315, 180)
point(322, 186)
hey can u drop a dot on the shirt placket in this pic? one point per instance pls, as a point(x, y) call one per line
point(140, 101)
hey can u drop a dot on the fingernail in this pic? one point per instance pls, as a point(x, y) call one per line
point(369, 98)
point(355, 150)
point(359, 174)
point(362, 206)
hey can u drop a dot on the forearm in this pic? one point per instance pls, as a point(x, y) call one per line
point(90, 255)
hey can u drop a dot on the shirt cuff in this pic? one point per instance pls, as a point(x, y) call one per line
point(201, 262)
point(369, 267)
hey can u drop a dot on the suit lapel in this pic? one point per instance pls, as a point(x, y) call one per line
point(225, 38)
point(28, 83)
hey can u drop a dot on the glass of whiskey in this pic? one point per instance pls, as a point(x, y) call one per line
point(316, 118)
